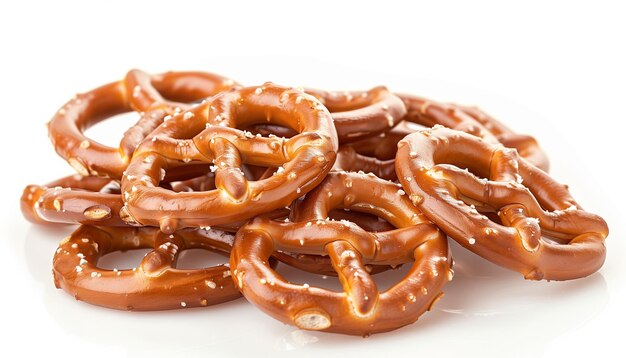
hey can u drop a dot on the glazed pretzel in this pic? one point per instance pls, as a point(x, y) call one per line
point(526, 145)
point(472, 120)
point(373, 155)
point(139, 92)
point(361, 114)
point(302, 160)
point(361, 309)
point(74, 199)
point(155, 284)
point(528, 202)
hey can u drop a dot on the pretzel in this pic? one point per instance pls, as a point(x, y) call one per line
point(138, 91)
point(526, 145)
point(472, 120)
point(361, 114)
point(528, 202)
point(373, 155)
point(361, 309)
point(302, 160)
point(74, 199)
point(156, 284)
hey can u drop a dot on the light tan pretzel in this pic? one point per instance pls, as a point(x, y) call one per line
point(361, 114)
point(138, 91)
point(361, 309)
point(156, 284)
point(208, 133)
point(74, 199)
point(472, 120)
point(430, 165)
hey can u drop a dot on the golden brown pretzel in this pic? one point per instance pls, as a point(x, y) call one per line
point(361, 309)
point(373, 155)
point(155, 284)
point(138, 91)
point(361, 114)
point(472, 120)
point(528, 201)
point(74, 199)
point(208, 133)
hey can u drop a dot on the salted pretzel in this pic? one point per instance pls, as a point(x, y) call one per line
point(472, 120)
point(361, 309)
point(156, 284)
point(138, 91)
point(373, 155)
point(74, 199)
point(361, 114)
point(207, 133)
point(430, 166)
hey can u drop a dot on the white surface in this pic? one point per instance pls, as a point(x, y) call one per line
point(556, 71)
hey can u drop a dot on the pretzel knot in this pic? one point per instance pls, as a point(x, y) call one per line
point(302, 160)
point(149, 95)
point(527, 200)
point(361, 309)
point(156, 284)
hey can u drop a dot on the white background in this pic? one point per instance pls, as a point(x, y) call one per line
point(556, 70)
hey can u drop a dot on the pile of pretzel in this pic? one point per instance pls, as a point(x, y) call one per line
point(273, 175)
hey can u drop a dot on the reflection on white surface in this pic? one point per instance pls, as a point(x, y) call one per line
point(485, 308)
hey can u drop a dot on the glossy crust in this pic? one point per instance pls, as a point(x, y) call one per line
point(207, 133)
point(361, 114)
point(473, 121)
point(361, 309)
point(527, 200)
point(138, 91)
point(72, 200)
point(156, 284)
point(373, 155)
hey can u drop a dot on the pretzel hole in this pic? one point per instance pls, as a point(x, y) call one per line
point(199, 258)
point(300, 277)
point(271, 129)
point(123, 260)
point(368, 222)
point(110, 131)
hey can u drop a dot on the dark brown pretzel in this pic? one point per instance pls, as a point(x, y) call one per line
point(473, 121)
point(74, 199)
point(301, 161)
point(138, 92)
point(155, 284)
point(361, 309)
point(361, 114)
point(528, 201)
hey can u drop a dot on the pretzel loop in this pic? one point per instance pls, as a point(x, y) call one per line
point(528, 201)
point(362, 114)
point(138, 91)
point(473, 121)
